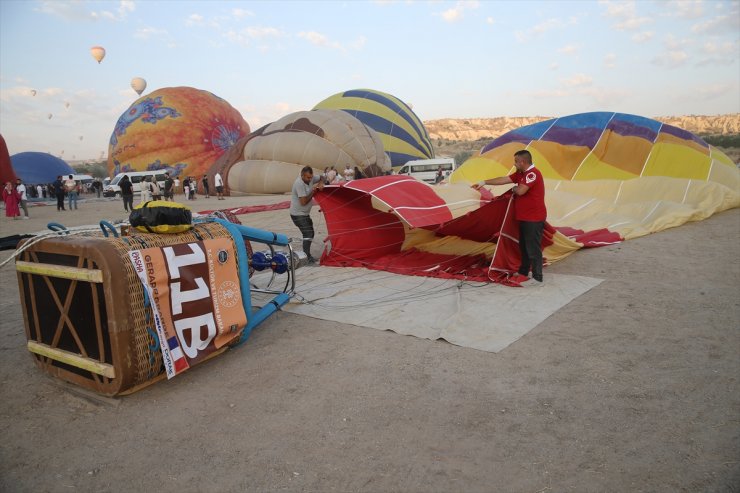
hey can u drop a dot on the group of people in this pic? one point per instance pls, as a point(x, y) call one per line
point(330, 176)
point(151, 190)
point(529, 210)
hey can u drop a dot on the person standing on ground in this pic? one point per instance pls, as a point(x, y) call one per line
point(146, 190)
point(154, 188)
point(349, 173)
point(193, 188)
point(12, 198)
point(70, 185)
point(168, 187)
point(98, 185)
point(127, 193)
point(40, 191)
point(58, 189)
point(206, 188)
point(304, 188)
point(530, 211)
point(186, 187)
point(219, 183)
point(22, 193)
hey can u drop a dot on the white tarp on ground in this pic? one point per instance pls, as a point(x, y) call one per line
point(488, 317)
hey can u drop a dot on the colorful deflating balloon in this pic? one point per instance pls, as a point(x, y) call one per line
point(138, 84)
point(182, 129)
point(402, 132)
point(98, 53)
point(624, 173)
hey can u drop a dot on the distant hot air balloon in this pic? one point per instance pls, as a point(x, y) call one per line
point(49, 116)
point(138, 84)
point(66, 104)
point(80, 137)
point(98, 53)
point(33, 92)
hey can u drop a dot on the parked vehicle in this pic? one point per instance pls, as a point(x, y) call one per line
point(426, 169)
point(137, 178)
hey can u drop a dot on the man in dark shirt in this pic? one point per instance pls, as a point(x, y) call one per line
point(169, 187)
point(59, 192)
point(127, 193)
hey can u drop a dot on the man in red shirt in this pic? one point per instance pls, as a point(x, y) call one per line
point(530, 211)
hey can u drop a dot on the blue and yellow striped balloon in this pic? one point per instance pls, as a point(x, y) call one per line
point(402, 133)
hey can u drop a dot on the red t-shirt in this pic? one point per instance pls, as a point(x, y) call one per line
point(531, 205)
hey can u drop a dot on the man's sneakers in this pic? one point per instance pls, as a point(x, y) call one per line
point(532, 283)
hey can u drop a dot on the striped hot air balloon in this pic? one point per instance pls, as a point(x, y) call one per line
point(401, 131)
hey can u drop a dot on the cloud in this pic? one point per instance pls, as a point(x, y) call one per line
point(456, 13)
point(578, 80)
point(148, 31)
point(248, 35)
point(719, 53)
point(490, 20)
point(685, 9)
point(670, 59)
point(194, 20)
point(318, 39)
point(624, 15)
point(569, 49)
point(241, 13)
point(553, 66)
point(78, 11)
point(609, 60)
point(729, 22)
point(543, 27)
point(642, 36)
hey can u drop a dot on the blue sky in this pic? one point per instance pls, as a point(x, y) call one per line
point(448, 59)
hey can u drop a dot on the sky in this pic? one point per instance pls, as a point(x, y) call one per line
point(447, 59)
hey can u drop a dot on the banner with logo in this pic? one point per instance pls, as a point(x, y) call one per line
point(195, 297)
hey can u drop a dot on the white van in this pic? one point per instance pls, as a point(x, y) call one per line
point(137, 178)
point(426, 169)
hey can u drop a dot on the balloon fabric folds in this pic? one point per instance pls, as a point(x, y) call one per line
point(274, 154)
point(623, 173)
point(181, 129)
point(403, 134)
point(403, 225)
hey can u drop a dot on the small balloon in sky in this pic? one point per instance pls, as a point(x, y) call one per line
point(49, 116)
point(138, 84)
point(33, 92)
point(98, 53)
point(81, 137)
point(66, 105)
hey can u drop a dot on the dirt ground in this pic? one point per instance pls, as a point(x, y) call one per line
point(631, 387)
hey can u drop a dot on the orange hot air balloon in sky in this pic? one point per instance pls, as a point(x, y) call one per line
point(98, 53)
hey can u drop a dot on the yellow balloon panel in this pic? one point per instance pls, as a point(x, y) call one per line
point(672, 159)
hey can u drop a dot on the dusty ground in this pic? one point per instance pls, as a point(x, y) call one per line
point(631, 387)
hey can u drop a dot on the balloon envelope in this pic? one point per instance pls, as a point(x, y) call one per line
point(33, 92)
point(177, 128)
point(98, 53)
point(403, 134)
point(623, 173)
point(275, 154)
point(138, 84)
point(39, 167)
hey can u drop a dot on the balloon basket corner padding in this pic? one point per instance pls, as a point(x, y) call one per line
point(97, 318)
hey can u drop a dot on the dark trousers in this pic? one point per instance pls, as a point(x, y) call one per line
point(60, 201)
point(128, 202)
point(530, 246)
point(305, 224)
